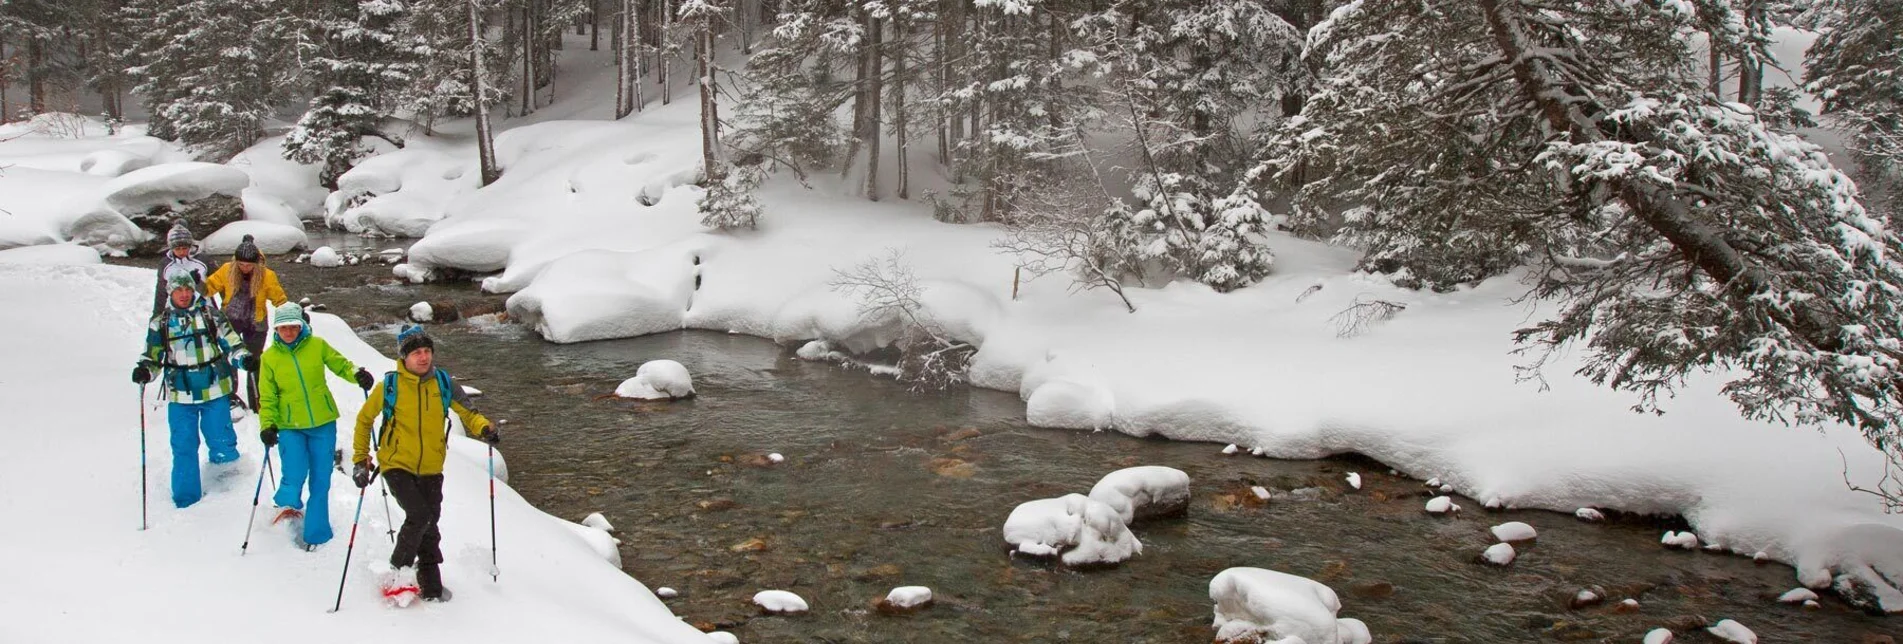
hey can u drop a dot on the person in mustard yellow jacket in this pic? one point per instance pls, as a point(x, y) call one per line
point(299, 416)
point(250, 291)
point(416, 401)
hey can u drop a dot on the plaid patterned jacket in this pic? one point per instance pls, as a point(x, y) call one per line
point(198, 349)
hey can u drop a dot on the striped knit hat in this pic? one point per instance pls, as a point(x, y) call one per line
point(288, 315)
point(177, 277)
point(179, 235)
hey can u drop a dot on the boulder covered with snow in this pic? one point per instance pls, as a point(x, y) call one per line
point(1074, 528)
point(1514, 531)
point(1683, 540)
point(723, 637)
point(1144, 492)
point(905, 599)
point(779, 602)
point(103, 228)
point(1658, 636)
point(1863, 563)
point(1499, 554)
point(422, 312)
point(598, 522)
point(658, 380)
point(1732, 631)
point(326, 257)
point(1260, 605)
point(594, 295)
point(153, 196)
point(1589, 514)
point(1442, 505)
point(272, 238)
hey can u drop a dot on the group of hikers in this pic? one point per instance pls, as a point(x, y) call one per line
point(207, 326)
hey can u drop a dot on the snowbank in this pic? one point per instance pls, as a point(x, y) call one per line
point(50, 254)
point(1144, 492)
point(173, 185)
point(1078, 530)
point(1279, 607)
point(77, 329)
point(272, 238)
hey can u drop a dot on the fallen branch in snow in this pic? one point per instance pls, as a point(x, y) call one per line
point(886, 288)
point(1356, 319)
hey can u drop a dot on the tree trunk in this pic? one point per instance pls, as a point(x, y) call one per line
point(35, 81)
point(622, 64)
point(942, 68)
point(1717, 71)
point(485, 141)
point(875, 67)
point(594, 27)
point(666, 60)
point(709, 116)
point(900, 137)
point(528, 60)
point(1750, 67)
point(859, 75)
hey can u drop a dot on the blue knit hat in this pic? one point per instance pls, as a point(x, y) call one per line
point(179, 235)
point(288, 315)
point(412, 338)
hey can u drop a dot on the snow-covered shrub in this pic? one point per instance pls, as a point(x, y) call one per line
point(729, 203)
point(1144, 492)
point(886, 290)
point(1074, 528)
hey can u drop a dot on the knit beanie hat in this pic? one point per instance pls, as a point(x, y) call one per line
point(179, 235)
point(178, 277)
point(247, 250)
point(288, 315)
point(412, 338)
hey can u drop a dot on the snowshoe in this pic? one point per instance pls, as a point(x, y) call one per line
point(398, 587)
point(287, 514)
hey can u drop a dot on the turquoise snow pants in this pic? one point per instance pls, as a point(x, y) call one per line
point(307, 458)
point(187, 421)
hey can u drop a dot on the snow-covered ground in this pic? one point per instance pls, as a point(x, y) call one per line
point(77, 567)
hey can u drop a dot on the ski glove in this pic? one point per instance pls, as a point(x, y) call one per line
point(490, 436)
point(269, 436)
point(250, 362)
point(363, 472)
point(141, 374)
point(364, 381)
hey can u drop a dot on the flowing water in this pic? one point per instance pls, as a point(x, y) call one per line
point(882, 488)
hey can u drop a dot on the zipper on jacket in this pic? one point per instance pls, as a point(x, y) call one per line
point(310, 413)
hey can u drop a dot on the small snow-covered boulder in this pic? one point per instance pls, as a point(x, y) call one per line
point(1498, 554)
point(1260, 605)
point(1658, 636)
point(779, 602)
point(723, 637)
point(422, 312)
point(1353, 631)
point(1587, 597)
point(326, 257)
point(666, 593)
point(598, 522)
point(1259, 492)
point(1514, 531)
point(1589, 514)
point(1433, 482)
point(1075, 528)
point(905, 599)
point(1442, 505)
point(1797, 596)
point(1144, 492)
point(271, 238)
point(658, 380)
point(1231, 450)
point(776, 458)
point(603, 544)
point(172, 184)
point(1862, 563)
point(1354, 480)
point(1685, 540)
point(1732, 631)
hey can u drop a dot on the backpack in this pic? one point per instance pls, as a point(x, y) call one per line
point(389, 397)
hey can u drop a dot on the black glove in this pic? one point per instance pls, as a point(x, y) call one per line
point(141, 374)
point(269, 436)
point(364, 381)
point(490, 436)
point(362, 472)
point(250, 362)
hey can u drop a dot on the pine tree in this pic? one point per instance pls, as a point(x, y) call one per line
point(365, 64)
point(211, 71)
point(1680, 232)
point(793, 88)
point(1854, 66)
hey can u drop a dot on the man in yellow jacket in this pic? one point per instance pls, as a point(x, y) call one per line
point(250, 292)
point(416, 400)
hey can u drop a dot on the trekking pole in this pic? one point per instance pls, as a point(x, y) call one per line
point(495, 573)
point(389, 524)
point(142, 502)
point(256, 493)
point(347, 550)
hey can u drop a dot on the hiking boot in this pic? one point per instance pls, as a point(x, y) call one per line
point(429, 579)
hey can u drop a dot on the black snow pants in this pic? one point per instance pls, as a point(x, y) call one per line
point(421, 497)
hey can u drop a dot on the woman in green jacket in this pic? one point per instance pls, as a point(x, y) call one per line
point(295, 406)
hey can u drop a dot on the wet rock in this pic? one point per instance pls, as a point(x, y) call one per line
point(1332, 570)
point(963, 434)
point(884, 571)
point(1587, 597)
point(720, 579)
point(1860, 594)
point(1687, 623)
point(755, 544)
point(1874, 638)
point(716, 505)
point(1626, 607)
point(953, 468)
point(1571, 632)
point(1372, 590)
point(204, 217)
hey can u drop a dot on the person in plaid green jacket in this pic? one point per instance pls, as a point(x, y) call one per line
point(198, 351)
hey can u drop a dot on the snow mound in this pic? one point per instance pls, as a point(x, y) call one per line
point(1256, 604)
point(1231, 450)
point(1077, 529)
point(776, 458)
point(1499, 554)
point(1589, 514)
point(266, 207)
point(1658, 636)
point(1685, 540)
point(172, 185)
point(272, 238)
point(50, 254)
point(1144, 492)
point(1354, 480)
point(658, 380)
point(723, 637)
point(102, 228)
point(1067, 394)
point(1732, 631)
point(326, 257)
point(1797, 596)
point(422, 312)
point(666, 593)
point(112, 162)
point(1864, 563)
point(594, 295)
point(604, 545)
point(779, 602)
point(1514, 531)
point(908, 597)
point(1442, 505)
point(598, 522)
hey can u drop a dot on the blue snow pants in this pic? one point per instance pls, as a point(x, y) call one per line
point(187, 421)
point(307, 457)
